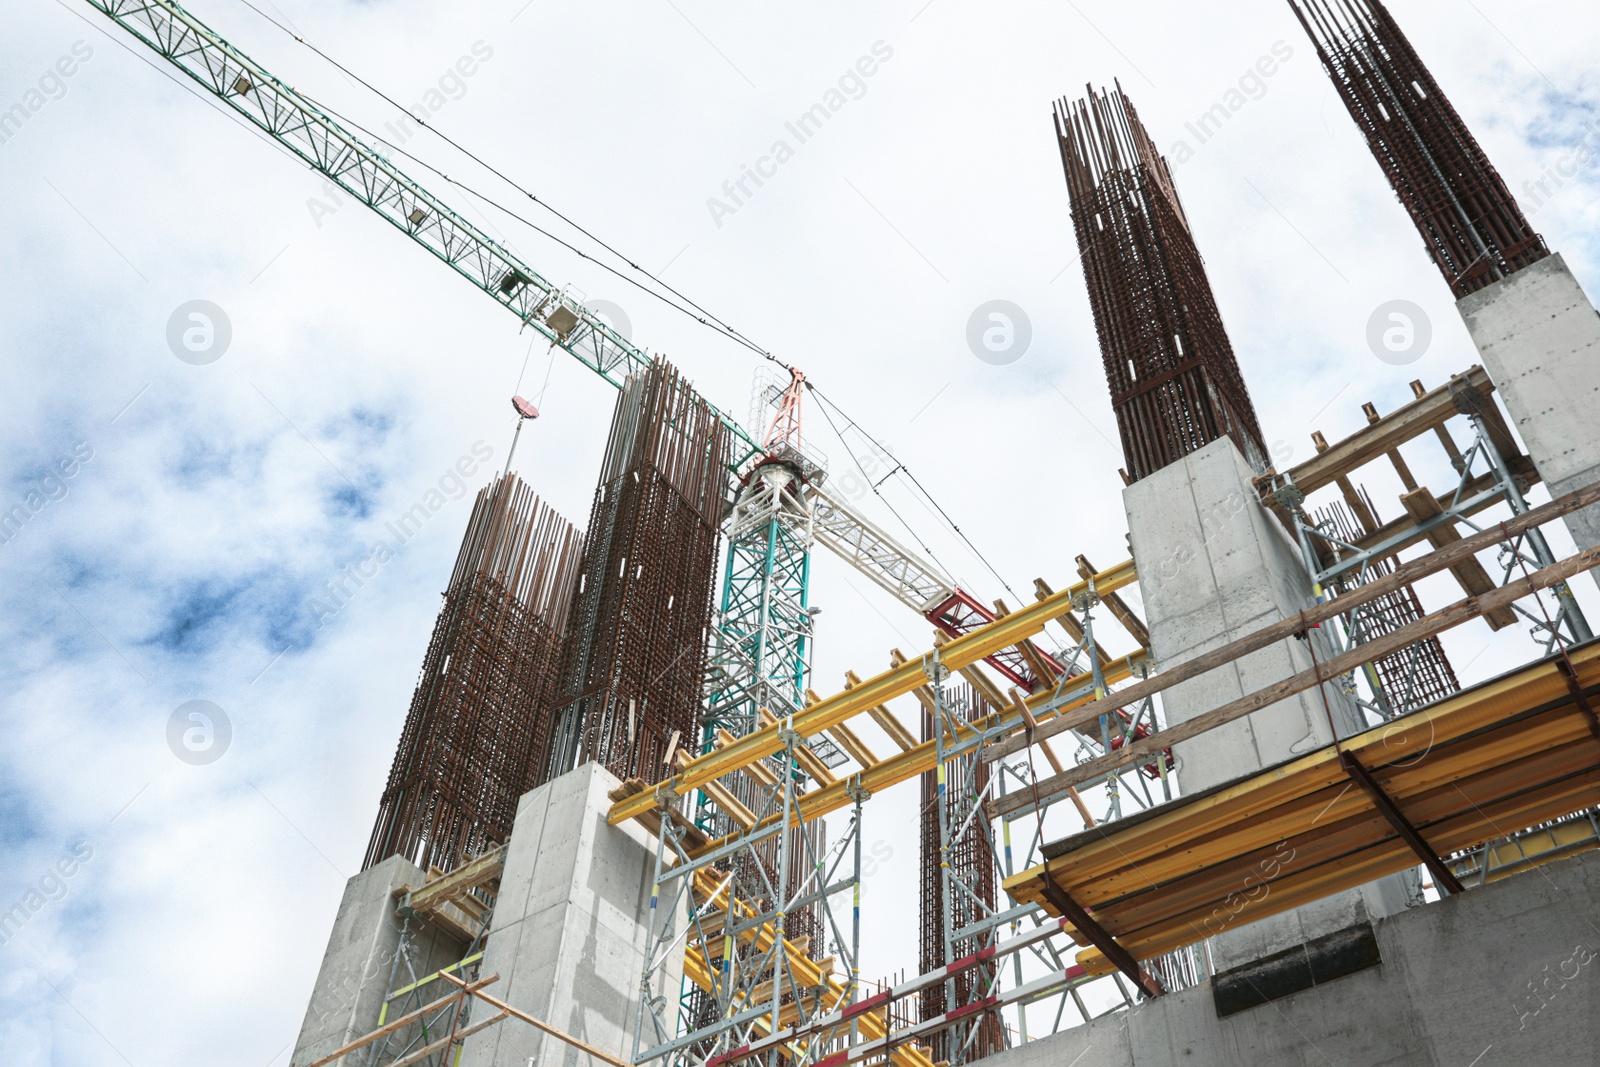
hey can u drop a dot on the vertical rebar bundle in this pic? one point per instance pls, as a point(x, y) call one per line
point(477, 735)
point(1471, 225)
point(636, 659)
point(1419, 674)
point(1175, 384)
point(974, 865)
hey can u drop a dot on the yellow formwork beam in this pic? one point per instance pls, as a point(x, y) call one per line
point(909, 764)
point(897, 681)
point(804, 970)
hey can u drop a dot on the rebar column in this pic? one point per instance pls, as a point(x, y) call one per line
point(636, 660)
point(1472, 227)
point(477, 735)
point(1175, 384)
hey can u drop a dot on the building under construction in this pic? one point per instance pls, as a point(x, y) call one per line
point(1263, 819)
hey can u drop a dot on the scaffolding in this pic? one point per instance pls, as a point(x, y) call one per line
point(959, 879)
point(1175, 383)
point(1489, 472)
point(1517, 750)
point(1470, 223)
point(1414, 676)
point(477, 735)
point(769, 1001)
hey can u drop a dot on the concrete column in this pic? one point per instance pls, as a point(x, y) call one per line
point(1216, 565)
point(570, 929)
point(1539, 337)
point(359, 964)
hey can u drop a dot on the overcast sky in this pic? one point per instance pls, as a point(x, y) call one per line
point(206, 503)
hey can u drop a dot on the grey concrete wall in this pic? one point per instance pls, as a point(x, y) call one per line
point(1215, 565)
point(1504, 976)
point(359, 964)
point(570, 927)
point(1539, 337)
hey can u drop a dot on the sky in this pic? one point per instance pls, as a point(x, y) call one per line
point(188, 498)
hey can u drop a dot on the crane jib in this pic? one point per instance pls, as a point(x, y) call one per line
point(295, 122)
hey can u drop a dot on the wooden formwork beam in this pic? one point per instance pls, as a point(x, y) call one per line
point(1423, 506)
point(1388, 433)
point(1404, 575)
point(1118, 607)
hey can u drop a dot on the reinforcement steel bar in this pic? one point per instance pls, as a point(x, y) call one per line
point(1472, 227)
point(1412, 677)
point(635, 663)
point(1175, 383)
point(477, 734)
point(897, 681)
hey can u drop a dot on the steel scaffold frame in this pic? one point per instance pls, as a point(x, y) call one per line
point(1354, 565)
point(741, 1032)
point(756, 977)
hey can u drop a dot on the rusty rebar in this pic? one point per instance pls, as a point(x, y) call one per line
point(477, 734)
point(636, 659)
point(1175, 383)
point(1472, 226)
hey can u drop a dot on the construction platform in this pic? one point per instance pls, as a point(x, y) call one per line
point(1520, 750)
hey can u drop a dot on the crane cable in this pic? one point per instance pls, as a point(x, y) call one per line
point(901, 468)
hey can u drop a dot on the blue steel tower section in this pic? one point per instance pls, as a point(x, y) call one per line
point(761, 648)
point(761, 658)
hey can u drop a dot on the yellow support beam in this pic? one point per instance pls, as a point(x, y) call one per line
point(806, 972)
point(911, 763)
point(897, 681)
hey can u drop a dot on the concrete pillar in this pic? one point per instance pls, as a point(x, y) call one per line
point(359, 969)
point(1216, 565)
point(570, 929)
point(1539, 337)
